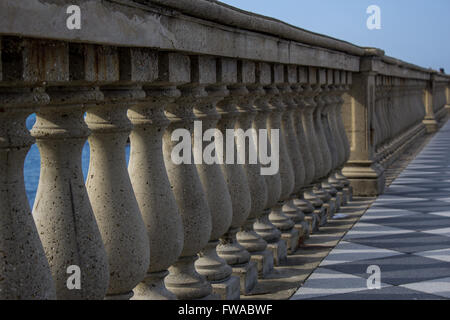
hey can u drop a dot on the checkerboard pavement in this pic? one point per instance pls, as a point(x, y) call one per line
point(406, 232)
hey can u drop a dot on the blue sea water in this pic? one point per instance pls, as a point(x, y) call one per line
point(33, 163)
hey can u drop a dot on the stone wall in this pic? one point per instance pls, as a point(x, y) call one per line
point(140, 70)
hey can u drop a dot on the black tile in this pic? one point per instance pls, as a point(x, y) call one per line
point(406, 242)
point(398, 270)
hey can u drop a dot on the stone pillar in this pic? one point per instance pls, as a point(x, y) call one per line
point(365, 175)
point(287, 175)
point(430, 120)
point(247, 237)
point(229, 248)
point(62, 210)
point(152, 188)
point(338, 141)
point(183, 279)
point(210, 264)
point(289, 90)
point(308, 161)
point(24, 269)
point(331, 185)
point(447, 97)
point(263, 226)
point(111, 193)
point(313, 193)
point(342, 89)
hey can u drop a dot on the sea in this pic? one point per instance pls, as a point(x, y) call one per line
point(33, 164)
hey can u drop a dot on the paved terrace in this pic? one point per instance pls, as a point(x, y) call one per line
point(406, 232)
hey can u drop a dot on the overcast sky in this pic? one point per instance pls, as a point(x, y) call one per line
point(416, 31)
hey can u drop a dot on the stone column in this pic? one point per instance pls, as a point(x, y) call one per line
point(308, 161)
point(331, 144)
point(289, 90)
point(309, 124)
point(183, 279)
point(287, 174)
point(365, 175)
point(333, 115)
point(111, 193)
point(332, 147)
point(24, 268)
point(152, 188)
point(342, 89)
point(229, 248)
point(62, 210)
point(210, 264)
point(247, 237)
point(263, 226)
point(430, 121)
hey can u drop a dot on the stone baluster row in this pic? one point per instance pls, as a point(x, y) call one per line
point(183, 219)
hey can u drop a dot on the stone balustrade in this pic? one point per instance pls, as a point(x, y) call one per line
point(336, 116)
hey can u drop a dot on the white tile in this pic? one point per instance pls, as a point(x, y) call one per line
point(442, 232)
point(387, 198)
point(382, 213)
point(441, 254)
point(439, 287)
point(325, 282)
point(349, 252)
point(441, 213)
point(367, 230)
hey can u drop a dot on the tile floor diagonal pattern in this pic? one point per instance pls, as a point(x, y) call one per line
point(406, 233)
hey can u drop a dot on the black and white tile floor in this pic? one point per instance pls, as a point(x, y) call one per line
point(406, 233)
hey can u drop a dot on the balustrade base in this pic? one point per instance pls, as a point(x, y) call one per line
point(291, 238)
point(343, 195)
point(279, 251)
point(123, 296)
point(317, 216)
point(264, 262)
point(153, 288)
point(248, 277)
point(302, 228)
point(310, 221)
point(227, 290)
point(431, 125)
point(349, 193)
point(367, 179)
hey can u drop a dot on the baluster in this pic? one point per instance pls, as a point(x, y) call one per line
point(312, 140)
point(330, 144)
point(24, 269)
point(289, 90)
point(211, 265)
point(183, 279)
point(152, 188)
point(111, 193)
point(247, 237)
point(287, 175)
point(308, 161)
point(62, 211)
point(263, 226)
point(346, 78)
point(241, 197)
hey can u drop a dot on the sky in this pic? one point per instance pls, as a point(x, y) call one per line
point(415, 31)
